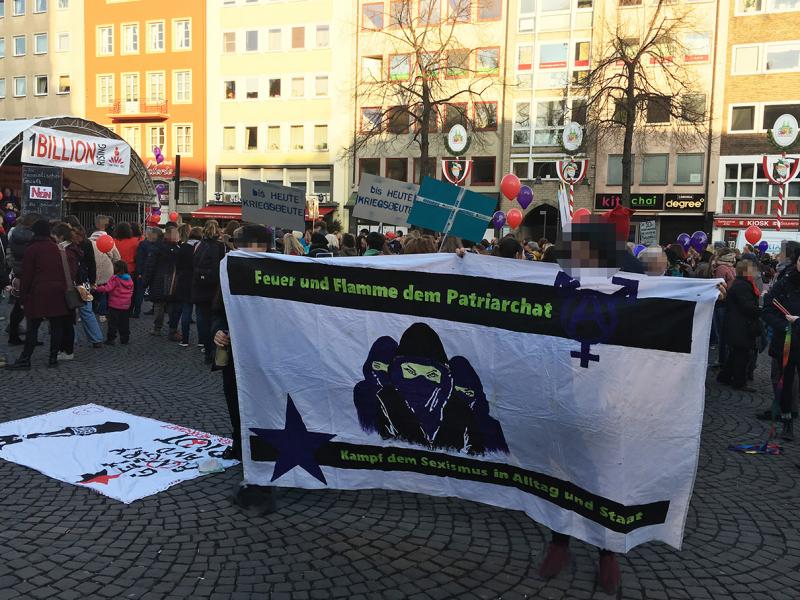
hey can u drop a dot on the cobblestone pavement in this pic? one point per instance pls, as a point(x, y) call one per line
point(61, 541)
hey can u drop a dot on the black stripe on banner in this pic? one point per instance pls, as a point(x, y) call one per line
point(611, 515)
point(588, 316)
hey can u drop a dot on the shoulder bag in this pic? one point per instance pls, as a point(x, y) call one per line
point(72, 295)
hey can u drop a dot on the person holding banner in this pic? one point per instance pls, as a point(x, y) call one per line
point(255, 498)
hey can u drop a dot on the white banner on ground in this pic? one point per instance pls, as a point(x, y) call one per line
point(384, 200)
point(42, 146)
point(273, 205)
point(499, 381)
point(114, 453)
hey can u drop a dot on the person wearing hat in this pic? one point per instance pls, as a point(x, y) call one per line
point(319, 246)
point(42, 294)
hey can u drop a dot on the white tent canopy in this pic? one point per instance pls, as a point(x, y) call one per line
point(83, 185)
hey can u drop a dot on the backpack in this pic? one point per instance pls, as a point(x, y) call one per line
point(205, 265)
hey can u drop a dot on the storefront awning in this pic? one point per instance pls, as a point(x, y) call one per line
point(235, 212)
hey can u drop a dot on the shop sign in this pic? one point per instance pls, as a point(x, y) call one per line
point(685, 203)
point(165, 170)
point(638, 201)
point(744, 223)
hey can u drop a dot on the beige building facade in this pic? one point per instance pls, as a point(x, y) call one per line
point(278, 97)
point(41, 58)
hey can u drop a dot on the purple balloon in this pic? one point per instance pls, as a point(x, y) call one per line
point(499, 219)
point(525, 196)
point(685, 240)
point(159, 159)
point(156, 150)
point(160, 189)
point(637, 249)
point(699, 241)
point(11, 217)
point(763, 245)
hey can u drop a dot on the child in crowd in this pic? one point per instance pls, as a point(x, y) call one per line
point(120, 292)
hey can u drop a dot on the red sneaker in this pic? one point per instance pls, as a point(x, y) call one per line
point(554, 562)
point(609, 573)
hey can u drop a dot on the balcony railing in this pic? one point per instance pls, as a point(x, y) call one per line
point(139, 110)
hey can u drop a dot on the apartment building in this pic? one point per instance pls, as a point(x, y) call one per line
point(549, 46)
point(762, 82)
point(278, 96)
point(145, 80)
point(674, 162)
point(470, 58)
point(41, 58)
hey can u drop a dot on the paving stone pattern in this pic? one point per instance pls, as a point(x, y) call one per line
point(62, 541)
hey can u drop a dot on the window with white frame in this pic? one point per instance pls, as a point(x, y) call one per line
point(371, 68)
point(273, 137)
point(275, 87)
point(782, 57)
point(20, 45)
point(521, 127)
point(183, 86)
point(156, 87)
point(549, 122)
point(230, 184)
point(39, 6)
point(274, 40)
point(298, 87)
point(40, 43)
point(754, 7)
point(157, 138)
point(183, 139)
point(746, 190)
point(64, 84)
point(251, 138)
point(2, 87)
point(133, 135)
point(526, 19)
point(229, 138)
point(251, 86)
point(155, 36)
point(62, 41)
point(2, 12)
point(297, 137)
point(229, 42)
point(323, 36)
point(19, 9)
point(524, 66)
point(320, 137)
point(251, 40)
point(105, 40)
point(130, 38)
point(20, 87)
point(41, 85)
point(105, 90)
point(182, 34)
point(130, 88)
point(552, 63)
point(321, 85)
point(743, 118)
point(771, 112)
point(189, 193)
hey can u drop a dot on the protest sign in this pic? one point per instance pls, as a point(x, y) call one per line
point(426, 392)
point(647, 233)
point(68, 150)
point(384, 200)
point(451, 210)
point(42, 191)
point(114, 453)
point(273, 205)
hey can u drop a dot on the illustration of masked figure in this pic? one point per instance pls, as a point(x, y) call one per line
point(469, 389)
point(418, 406)
point(376, 376)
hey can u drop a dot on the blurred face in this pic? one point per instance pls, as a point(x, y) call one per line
point(655, 263)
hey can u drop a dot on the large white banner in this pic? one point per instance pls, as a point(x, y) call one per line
point(500, 381)
point(114, 453)
point(69, 150)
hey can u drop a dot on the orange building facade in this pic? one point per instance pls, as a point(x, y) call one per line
point(145, 80)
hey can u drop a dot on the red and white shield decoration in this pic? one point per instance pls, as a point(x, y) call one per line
point(780, 170)
point(571, 172)
point(456, 170)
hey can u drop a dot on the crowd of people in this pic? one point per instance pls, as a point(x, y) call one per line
point(62, 273)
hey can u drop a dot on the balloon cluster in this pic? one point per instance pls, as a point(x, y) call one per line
point(698, 240)
point(158, 155)
point(512, 188)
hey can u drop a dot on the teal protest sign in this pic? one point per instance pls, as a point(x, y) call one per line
point(451, 210)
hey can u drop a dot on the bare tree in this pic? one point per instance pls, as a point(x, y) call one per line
point(431, 75)
point(641, 78)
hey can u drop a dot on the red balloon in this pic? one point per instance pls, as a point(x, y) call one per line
point(581, 215)
point(105, 243)
point(510, 186)
point(753, 234)
point(173, 216)
point(514, 218)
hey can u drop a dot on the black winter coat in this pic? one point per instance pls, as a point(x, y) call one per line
point(161, 272)
point(787, 291)
point(741, 318)
point(19, 238)
point(205, 270)
point(183, 293)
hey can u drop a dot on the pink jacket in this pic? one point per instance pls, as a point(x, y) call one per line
point(120, 290)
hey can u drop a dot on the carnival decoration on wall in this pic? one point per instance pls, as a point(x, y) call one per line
point(456, 170)
point(571, 172)
point(781, 170)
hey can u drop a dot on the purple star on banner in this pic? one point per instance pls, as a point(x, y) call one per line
point(295, 444)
